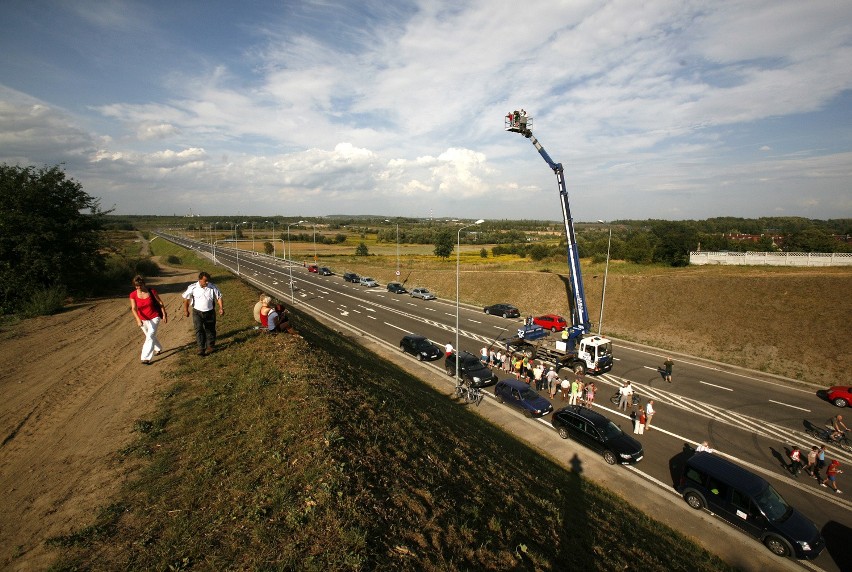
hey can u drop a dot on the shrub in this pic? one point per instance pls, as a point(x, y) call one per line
point(175, 260)
point(44, 301)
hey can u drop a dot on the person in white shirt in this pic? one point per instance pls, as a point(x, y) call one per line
point(626, 396)
point(203, 295)
point(704, 447)
point(448, 349)
point(649, 413)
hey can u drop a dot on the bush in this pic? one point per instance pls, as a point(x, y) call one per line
point(147, 267)
point(44, 301)
point(175, 260)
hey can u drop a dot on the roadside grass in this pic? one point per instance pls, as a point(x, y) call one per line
point(311, 453)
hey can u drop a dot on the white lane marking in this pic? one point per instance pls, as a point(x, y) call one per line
point(357, 311)
point(501, 328)
point(448, 314)
point(432, 309)
point(368, 309)
point(397, 327)
point(474, 321)
point(714, 385)
point(344, 313)
point(411, 304)
point(371, 317)
point(788, 405)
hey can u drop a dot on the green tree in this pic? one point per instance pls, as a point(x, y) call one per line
point(639, 248)
point(49, 233)
point(483, 253)
point(444, 243)
point(361, 250)
point(268, 248)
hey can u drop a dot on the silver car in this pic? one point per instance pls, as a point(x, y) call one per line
point(368, 282)
point(422, 293)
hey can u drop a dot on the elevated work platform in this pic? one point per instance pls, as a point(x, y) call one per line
point(518, 124)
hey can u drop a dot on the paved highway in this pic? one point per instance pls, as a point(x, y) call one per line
point(752, 419)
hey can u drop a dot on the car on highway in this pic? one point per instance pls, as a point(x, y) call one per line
point(552, 322)
point(420, 347)
point(750, 503)
point(423, 294)
point(520, 395)
point(505, 310)
point(325, 271)
point(598, 433)
point(351, 277)
point(840, 395)
point(313, 268)
point(397, 288)
point(368, 282)
point(471, 369)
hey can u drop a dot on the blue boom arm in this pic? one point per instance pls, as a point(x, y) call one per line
point(579, 314)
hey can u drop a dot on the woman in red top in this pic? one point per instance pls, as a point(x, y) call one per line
point(265, 308)
point(148, 309)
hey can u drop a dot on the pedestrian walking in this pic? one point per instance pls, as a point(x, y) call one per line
point(203, 296)
point(795, 461)
point(448, 350)
point(492, 358)
point(642, 420)
point(575, 391)
point(820, 463)
point(812, 460)
point(148, 310)
point(668, 365)
point(591, 390)
point(634, 419)
point(831, 475)
point(625, 396)
point(649, 414)
point(552, 382)
point(538, 375)
point(565, 385)
point(483, 356)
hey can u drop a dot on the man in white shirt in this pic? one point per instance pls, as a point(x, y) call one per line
point(649, 412)
point(203, 295)
point(626, 396)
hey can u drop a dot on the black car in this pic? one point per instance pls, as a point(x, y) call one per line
point(597, 432)
point(325, 271)
point(505, 310)
point(351, 277)
point(472, 369)
point(420, 347)
point(397, 288)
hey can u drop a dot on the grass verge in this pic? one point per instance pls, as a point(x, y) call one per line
point(310, 453)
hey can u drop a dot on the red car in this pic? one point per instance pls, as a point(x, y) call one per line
point(551, 322)
point(841, 396)
point(313, 268)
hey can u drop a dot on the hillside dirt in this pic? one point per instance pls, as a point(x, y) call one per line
point(72, 386)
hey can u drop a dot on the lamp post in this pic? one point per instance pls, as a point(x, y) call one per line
point(458, 258)
point(315, 241)
point(252, 239)
point(273, 239)
point(606, 271)
point(289, 258)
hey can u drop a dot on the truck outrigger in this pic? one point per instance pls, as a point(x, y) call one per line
point(578, 350)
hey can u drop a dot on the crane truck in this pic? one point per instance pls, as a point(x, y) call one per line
point(577, 350)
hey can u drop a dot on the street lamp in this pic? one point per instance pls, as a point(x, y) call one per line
point(458, 258)
point(397, 247)
point(253, 251)
point(606, 271)
point(289, 258)
point(315, 242)
point(273, 239)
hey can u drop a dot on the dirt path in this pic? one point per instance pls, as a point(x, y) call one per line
point(71, 388)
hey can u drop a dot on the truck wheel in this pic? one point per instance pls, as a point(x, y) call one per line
point(777, 546)
point(579, 369)
point(694, 500)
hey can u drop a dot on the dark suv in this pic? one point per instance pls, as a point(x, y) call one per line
point(472, 369)
point(420, 347)
point(597, 432)
point(505, 310)
point(397, 288)
point(351, 277)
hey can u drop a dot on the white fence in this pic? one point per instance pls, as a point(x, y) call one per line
point(772, 258)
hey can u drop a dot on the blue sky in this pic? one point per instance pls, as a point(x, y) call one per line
point(658, 109)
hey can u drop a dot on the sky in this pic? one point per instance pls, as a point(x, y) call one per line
point(658, 109)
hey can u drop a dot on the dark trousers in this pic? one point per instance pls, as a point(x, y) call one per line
point(205, 328)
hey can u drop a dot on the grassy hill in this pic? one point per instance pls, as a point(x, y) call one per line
point(311, 453)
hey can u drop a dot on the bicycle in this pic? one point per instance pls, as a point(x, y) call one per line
point(616, 397)
point(469, 394)
point(824, 434)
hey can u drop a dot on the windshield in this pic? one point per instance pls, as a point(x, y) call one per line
point(772, 504)
point(528, 394)
point(610, 431)
point(423, 345)
point(604, 350)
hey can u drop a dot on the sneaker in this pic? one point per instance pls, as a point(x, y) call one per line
point(838, 491)
point(822, 485)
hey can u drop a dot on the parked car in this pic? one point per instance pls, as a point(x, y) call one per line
point(313, 268)
point(351, 277)
point(551, 322)
point(368, 282)
point(839, 395)
point(750, 503)
point(420, 347)
point(518, 394)
point(423, 293)
point(505, 310)
point(471, 369)
point(325, 271)
point(598, 433)
point(397, 288)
